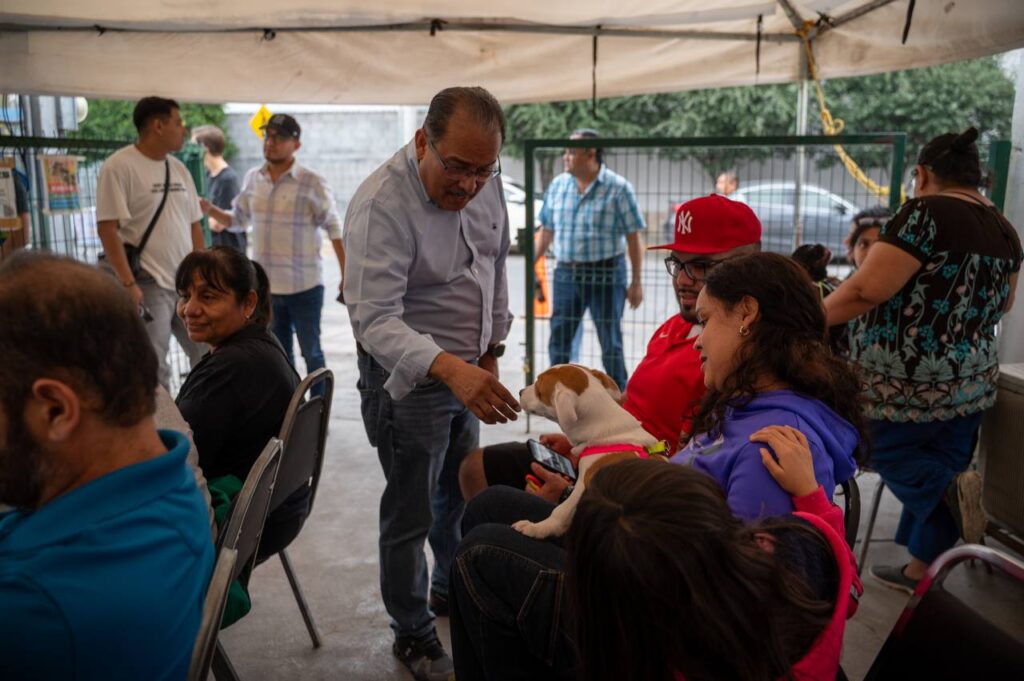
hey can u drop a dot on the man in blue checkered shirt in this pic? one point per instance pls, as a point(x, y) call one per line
point(591, 215)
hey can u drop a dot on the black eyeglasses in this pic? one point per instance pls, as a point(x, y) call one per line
point(458, 172)
point(695, 269)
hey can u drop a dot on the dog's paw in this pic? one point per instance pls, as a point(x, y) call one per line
point(541, 530)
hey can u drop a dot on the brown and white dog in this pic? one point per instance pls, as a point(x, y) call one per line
point(585, 403)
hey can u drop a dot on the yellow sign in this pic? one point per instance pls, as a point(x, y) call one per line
point(260, 119)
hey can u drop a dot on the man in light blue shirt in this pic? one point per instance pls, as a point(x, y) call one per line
point(107, 553)
point(426, 238)
point(592, 216)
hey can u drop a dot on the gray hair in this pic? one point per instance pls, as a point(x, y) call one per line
point(478, 102)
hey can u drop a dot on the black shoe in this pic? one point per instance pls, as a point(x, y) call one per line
point(425, 657)
point(892, 576)
point(439, 603)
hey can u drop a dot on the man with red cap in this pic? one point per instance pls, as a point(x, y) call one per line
point(667, 384)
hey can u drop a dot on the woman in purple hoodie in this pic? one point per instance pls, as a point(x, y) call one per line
point(767, 362)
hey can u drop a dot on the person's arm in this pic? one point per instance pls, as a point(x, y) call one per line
point(635, 292)
point(224, 218)
point(339, 251)
point(501, 316)
point(1013, 292)
point(886, 271)
point(113, 249)
point(198, 240)
point(633, 219)
point(111, 210)
point(379, 254)
point(543, 242)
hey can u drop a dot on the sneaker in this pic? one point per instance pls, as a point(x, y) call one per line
point(963, 496)
point(892, 576)
point(424, 657)
point(439, 603)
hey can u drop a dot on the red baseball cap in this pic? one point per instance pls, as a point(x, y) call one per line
point(713, 224)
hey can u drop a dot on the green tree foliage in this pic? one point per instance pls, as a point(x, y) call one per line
point(111, 119)
point(921, 102)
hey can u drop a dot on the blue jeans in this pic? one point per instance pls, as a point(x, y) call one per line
point(509, 605)
point(601, 288)
point(300, 312)
point(917, 461)
point(421, 439)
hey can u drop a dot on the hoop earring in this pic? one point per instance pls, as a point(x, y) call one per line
point(744, 331)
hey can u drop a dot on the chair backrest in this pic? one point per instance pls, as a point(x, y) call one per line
point(213, 610)
point(938, 636)
point(851, 509)
point(249, 511)
point(304, 438)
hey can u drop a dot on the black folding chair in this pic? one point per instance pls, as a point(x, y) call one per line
point(851, 509)
point(213, 611)
point(304, 437)
point(938, 636)
point(244, 528)
point(876, 501)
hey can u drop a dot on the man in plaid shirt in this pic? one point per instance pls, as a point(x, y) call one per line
point(288, 204)
point(591, 215)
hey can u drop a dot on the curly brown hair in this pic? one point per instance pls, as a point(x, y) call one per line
point(788, 342)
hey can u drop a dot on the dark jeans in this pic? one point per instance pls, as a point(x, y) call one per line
point(917, 461)
point(300, 312)
point(601, 289)
point(421, 439)
point(509, 617)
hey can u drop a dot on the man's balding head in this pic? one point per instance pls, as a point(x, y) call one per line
point(67, 321)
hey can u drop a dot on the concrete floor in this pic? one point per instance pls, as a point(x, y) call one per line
point(335, 557)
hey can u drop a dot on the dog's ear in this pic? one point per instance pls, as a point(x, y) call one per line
point(564, 403)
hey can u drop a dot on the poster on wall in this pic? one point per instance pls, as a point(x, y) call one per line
point(9, 219)
point(60, 180)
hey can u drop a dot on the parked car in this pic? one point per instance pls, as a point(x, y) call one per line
point(515, 201)
point(826, 216)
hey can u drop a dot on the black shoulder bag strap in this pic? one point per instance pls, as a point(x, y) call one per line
point(159, 209)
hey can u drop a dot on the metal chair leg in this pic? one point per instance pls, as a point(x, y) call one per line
point(307, 616)
point(875, 503)
point(222, 668)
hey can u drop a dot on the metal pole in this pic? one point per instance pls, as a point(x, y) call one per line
point(527, 246)
point(803, 100)
point(1011, 340)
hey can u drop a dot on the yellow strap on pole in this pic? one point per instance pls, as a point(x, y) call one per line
point(834, 126)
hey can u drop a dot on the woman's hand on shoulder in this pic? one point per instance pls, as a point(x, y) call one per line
point(792, 465)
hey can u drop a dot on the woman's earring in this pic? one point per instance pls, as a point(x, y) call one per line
point(744, 331)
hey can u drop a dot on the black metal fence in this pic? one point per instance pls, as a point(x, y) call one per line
point(73, 232)
point(800, 188)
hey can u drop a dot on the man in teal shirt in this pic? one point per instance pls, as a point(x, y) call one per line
point(106, 555)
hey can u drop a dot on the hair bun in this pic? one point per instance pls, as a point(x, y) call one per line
point(964, 140)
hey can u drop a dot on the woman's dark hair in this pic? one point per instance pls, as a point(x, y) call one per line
point(228, 271)
point(663, 578)
point(954, 158)
point(788, 342)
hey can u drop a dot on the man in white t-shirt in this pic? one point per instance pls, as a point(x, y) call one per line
point(128, 195)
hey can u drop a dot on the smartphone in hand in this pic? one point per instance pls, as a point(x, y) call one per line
point(551, 459)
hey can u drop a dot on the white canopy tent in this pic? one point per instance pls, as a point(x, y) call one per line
point(403, 51)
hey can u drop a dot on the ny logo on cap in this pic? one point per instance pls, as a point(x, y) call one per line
point(684, 223)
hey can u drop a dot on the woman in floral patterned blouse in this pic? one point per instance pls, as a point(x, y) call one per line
point(926, 301)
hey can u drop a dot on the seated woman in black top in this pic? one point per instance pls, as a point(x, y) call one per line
point(236, 397)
